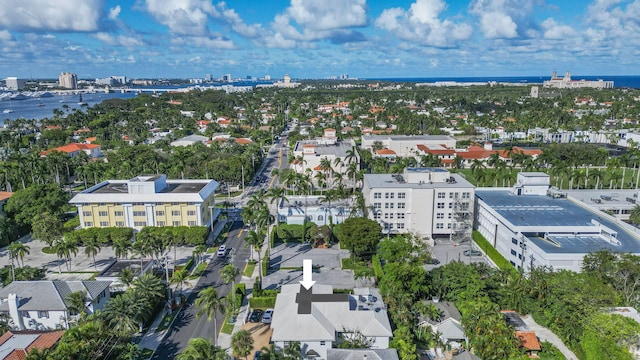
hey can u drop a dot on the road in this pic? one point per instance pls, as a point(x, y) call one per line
point(186, 326)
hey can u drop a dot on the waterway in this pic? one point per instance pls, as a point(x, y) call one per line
point(40, 108)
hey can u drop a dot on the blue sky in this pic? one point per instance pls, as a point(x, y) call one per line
point(318, 38)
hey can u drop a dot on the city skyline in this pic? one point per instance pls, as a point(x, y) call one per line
point(316, 39)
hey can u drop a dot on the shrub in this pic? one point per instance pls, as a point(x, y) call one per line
point(265, 263)
point(377, 267)
point(178, 235)
point(292, 233)
point(492, 253)
point(262, 302)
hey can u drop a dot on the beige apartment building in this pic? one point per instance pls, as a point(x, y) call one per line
point(147, 200)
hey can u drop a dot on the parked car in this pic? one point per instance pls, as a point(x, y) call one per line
point(257, 355)
point(471, 252)
point(255, 316)
point(222, 251)
point(267, 316)
point(432, 261)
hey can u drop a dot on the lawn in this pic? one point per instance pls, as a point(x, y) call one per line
point(248, 270)
point(227, 327)
point(167, 320)
point(359, 267)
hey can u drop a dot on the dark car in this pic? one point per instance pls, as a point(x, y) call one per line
point(255, 316)
point(432, 261)
point(472, 253)
point(257, 355)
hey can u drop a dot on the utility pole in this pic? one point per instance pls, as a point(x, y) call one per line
point(242, 168)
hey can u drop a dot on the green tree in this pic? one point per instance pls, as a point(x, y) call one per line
point(609, 336)
point(126, 277)
point(360, 235)
point(91, 249)
point(209, 304)
point(76, 303)
point(18, 250)
point(228, 274)
point(242, 343)
point(634, 216)
point(202, 349)
point(26, 205)
point(47, 227)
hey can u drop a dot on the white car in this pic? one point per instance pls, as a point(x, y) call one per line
point(222, 251)
point(267, 316)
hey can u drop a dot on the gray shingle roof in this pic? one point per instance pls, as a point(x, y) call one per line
point(49, 295)
point(359, 354)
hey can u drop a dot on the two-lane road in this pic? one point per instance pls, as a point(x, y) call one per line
point(186, 326)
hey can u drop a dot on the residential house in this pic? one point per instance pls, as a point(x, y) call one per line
point(74, 149)
point(190, 140)
point(147, 200)
point(406, 145)
point(43, 305)
point(528, 340)
point(15, 345)
point(320, 319)
point(294, 209)
point(447, 324)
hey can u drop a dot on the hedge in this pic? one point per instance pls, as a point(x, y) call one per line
point(293, 233)
point(104, 235)
point(177, 235)
point(262, 302)
point(377, 267)
point(492, 253)
point(265, 263)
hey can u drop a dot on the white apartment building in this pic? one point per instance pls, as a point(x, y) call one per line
point(567, 83)
point(406, 145)
point(430, 202)
point(13, 83)
point(68, 80)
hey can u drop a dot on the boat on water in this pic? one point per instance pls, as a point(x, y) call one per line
point(8, 111)
point(19, 97)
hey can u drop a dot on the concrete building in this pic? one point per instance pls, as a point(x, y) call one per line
point(286, 82)
point(430, 202)
point(567, 83)
point(617, 203)
point(43, 305)
point(147, 200)
point(190, 140)
point(308, 155)
point(294, 210)
point(68, 80)
point(92, 150)
point(532, 226)
point(13, 83)
point(319, 319)
point(406, 145)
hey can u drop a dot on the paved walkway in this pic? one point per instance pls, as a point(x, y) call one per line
point(547, 335)
point(152, 338)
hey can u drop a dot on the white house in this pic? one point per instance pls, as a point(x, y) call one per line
point(190, 140)
point(294, 209)
point(406, 145)
point(43, 305)
point(320, 320)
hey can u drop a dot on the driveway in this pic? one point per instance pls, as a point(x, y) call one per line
point(547, 335)
point(446, 252)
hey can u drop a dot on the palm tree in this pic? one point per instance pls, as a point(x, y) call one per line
point(18, 250)
point(121, 247)
point(242, 343)
point(64, 249)
point(477, 165)
point(228, 274)
point(126, 277)
point(327, 198)
point(276, 194)
point(149, 285)
point(208, 304)
point(179, 278)
point(202, 349)
point(92, 248)
point(76, 303)
point(293, 351)
point(634, 216)
point(125, 312)
point(256, 240)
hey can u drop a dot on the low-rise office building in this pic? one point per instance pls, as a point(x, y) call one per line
point(532, 226)
point(406, 145)
point(147, 200)
point(295, 208)
point(431, 202)
point(310, 154)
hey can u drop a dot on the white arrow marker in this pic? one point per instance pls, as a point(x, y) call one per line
point(307, 272)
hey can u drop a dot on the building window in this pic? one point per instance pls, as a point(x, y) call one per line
point(391, 216)
point(103, 213)
point(449, 226)
point(513, 252)
point(514, 241)
point(439, 226)
point(119, 213)
point(512, 263)
point(43, 314)
point(386, 216)
point(400, 225)
point(401, 195)
point(440, 205)
point(138, 204)
point(86, 213)
point(102, 204)
point(376, 215)
point(450, 195)
point(139, 223)
point(320, 218)
point(104, 223)
point(401, 216)
point(160, 213)
point(176, 223)
point(377, 205)
point(175, 212)
point(161, 223)
point(377, 195)
point(388, 205)
point(323, 343)
point(450, 215)
point(139, 213)
point(450, 205)
point(440, 216)
point(440, 195)
point(175, 203)
point(191, 223)
point(88, 224)
point(191, 213)
point(401, 205)
point(386, 195)
point(466, 195)
point(120, 223)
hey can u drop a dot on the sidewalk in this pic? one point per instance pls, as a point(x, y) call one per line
point(152, 339)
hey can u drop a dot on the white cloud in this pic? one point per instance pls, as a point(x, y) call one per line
point(421, 23)
point(505, 19)
point(114, 12)
point(5, 35)
point(185, 17)
point(237, 24)
point(553, 30)
point(46, 15)
point(120, 40)
point(204, 41)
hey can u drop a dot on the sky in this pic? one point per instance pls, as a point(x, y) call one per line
point(318, 38)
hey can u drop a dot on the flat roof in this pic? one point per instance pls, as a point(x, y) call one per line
point(173, 187)
point(340, 148)
point(543, 211)
point(116, 268)
point(398, 181)
point(605, 198)
point(408, 137)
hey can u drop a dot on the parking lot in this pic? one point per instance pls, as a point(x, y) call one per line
point(445, 252)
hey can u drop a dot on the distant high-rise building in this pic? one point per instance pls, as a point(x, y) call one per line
point(567, 83)
point(226, 77)
point(13, 83)
point(207, 77)
point(68, 80)
point(267, 77)
point(534, 92)
point(249, 77)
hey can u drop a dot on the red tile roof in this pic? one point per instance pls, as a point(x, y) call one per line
point(425, 149)
point(385, 152)
point(529, 340)
point(45, 340)
point(243, 141)
point(4, 195)
point(71, 148)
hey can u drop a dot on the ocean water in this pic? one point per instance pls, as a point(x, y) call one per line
point(40, 108)
point(630, 81)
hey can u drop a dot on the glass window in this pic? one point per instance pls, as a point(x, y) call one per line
point(104, 223)
point(119, 213)
point(401, 195)
point(377, 205)
point(120, 223)
point(175, 212)
point(440, 195)
point(191, 213)
point(440, 205)
point(161, 223)
point(401, 205)
point(377, 195)
point(139, 213)
point(513, 252)
point(514, 241)
point(103, 213)
point(440, 216)
point(176, 223)
point(400, 225)
point(139, 223)
point(88, 224)
point(191, 223)
point(439, 226)
point(160, 213)
point(43, 314)
point(466, 195)
point(401, 216)
point(86, 213)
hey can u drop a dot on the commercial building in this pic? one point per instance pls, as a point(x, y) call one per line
point(43, 305)
point(320, 319)
point(295, 208)
point(617, 202)
point(147, 200)
point(13, 83)
point(405, 145)
point(533, 226)
point(430, 202)
point(68, 80)
point(566, 83)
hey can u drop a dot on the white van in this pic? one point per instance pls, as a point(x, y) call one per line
point(222, 251)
